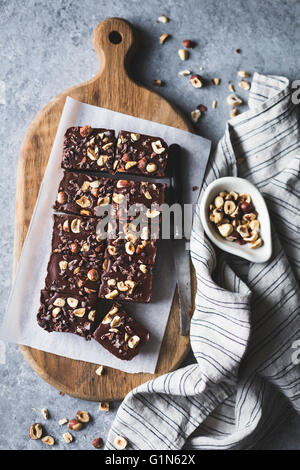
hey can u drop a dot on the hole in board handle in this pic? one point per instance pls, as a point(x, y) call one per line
point(115, 37)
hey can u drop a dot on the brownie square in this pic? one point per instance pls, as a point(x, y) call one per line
point(87, 148)
point(124, 280)
point(68, 313)
point(120, 334)
point(140, 154)
point(76, 234)
point(74, 273)
point(83, 194)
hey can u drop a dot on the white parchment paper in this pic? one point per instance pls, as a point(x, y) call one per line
point(20, 323)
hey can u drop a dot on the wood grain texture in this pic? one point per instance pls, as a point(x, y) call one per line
point(111, 88)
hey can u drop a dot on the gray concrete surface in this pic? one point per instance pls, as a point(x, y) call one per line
point(45, 47)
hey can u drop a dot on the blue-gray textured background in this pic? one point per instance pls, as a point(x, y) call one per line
point(46, 47)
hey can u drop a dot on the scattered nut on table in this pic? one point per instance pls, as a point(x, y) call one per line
point(183, 54)
point(158, 83)
point(45, 413)
point(75, 425)
point(100, 370)
point(97, 442)
point(234, 100)
point(163, 38)
point(35, 431)
point(83, 416)
point(163, 19)
point(235, 218)
point(104, 406)
point(243, 74)
point(49, 440)
point(195, 115)
point(68, 438)
point(184, 73)
point(188, 43)
point(196, 81)
point(62, 421)
point(120, 442)
point(234, 112)
point(245, 85)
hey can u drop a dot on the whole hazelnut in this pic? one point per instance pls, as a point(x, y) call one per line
point(74, 425)
point(85, 131)
point(61, 197)
point(188, 43)
point(123, 184)
point(97, 443)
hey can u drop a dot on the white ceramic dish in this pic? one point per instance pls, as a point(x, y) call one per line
point(240, 185)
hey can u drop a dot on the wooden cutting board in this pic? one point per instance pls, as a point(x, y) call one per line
point(114, 41)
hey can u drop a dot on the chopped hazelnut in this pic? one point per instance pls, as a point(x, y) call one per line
point(100, 370)
point(62, 421)
point(183, 54)
point(104, 406)
point(49, 440)
point(68, 438)
point(163, 38)
point(120, 442)
point(45, 413)
point(35, 431)
point(196, 81)
point(83, 416)
point(163, 19)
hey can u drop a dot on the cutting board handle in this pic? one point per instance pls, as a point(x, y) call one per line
point(113, 41)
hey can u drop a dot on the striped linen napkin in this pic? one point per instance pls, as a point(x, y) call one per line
point(246, 321)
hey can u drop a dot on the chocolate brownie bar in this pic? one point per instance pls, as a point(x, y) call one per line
point(124, 280)
point(76, 234)
point(68, 313)
point(73, 273)
point(120, 334)
point(87, 148)
point(83, 194)
point(140, 154)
